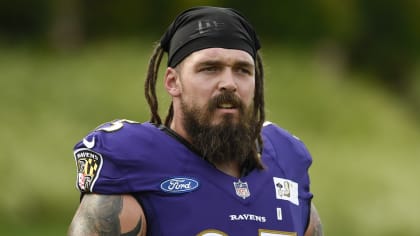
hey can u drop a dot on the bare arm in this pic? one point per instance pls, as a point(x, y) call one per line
point(315, 226)
point(108, 215)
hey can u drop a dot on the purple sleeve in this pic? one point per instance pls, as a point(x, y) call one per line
point(107, 162)
point(294, 159)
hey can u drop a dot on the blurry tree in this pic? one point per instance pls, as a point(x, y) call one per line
point(377, 36)
point(66, 24)
point(288, 21)
point(386, 42)
point(23, 20)
point(109, 18)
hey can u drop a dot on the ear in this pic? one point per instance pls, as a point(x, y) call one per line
point(172, 83)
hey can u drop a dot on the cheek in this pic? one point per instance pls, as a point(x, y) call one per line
point(195, 98)
point(198, 94)
point(247, 92)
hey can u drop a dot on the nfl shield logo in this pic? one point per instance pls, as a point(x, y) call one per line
point(241, 189)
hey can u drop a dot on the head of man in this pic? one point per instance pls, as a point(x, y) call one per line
point(212, 92)
point(215, 78)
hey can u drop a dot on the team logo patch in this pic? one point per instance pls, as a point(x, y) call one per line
point(286, 189)
point(89, 164)
point(241, 189)
point(179, 185)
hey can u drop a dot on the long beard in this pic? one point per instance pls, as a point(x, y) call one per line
point(230, 139)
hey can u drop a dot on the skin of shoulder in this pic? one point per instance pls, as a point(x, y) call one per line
point(108, 215)
point(315, 226)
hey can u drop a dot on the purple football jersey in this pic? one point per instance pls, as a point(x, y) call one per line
point(182, 194)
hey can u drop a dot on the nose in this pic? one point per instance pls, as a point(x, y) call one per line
point(227, 81)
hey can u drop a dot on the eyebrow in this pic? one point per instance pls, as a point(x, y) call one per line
point(237, 63)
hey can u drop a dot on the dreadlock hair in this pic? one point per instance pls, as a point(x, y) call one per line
point(150, 84)
point(259, 116)
point(259, 104)
point(150, 93)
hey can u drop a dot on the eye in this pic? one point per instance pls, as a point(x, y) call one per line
point(209, 69)
point(244, 70)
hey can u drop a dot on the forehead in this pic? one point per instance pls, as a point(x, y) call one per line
point(229, 56)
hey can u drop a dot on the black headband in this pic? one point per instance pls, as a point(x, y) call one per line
point(208, 27)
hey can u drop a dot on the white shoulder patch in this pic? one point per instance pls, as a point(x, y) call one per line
point(286, 189)
point(89, 165)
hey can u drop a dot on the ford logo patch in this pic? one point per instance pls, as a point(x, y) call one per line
point(179, 185)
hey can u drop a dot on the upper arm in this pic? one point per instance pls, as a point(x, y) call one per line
point(315, 226)
point(108, 215)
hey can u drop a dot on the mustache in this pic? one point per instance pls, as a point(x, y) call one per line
point(226, 98)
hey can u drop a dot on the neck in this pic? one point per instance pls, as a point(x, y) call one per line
point(230, 168)
point(180, 131)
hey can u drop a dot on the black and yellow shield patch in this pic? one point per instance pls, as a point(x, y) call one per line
point(89, 164)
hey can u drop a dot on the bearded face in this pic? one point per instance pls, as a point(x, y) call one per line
point(226, 141)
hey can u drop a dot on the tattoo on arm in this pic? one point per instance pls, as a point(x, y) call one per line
point(315, 226)
point(99, 215)
point(135, 231)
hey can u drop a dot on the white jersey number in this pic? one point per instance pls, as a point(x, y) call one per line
point(261, 232)
point(116, 125)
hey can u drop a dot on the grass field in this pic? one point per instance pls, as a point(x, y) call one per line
point(364, 142)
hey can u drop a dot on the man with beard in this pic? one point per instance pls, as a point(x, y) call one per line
point(214, 167)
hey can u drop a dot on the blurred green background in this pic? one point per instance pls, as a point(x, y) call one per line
point(344, 76)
